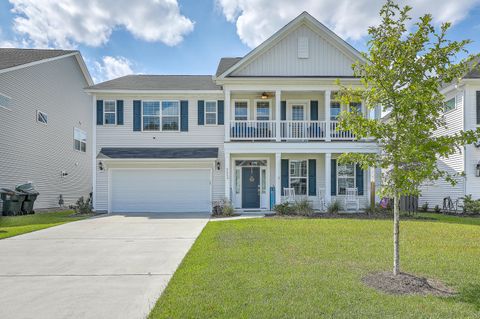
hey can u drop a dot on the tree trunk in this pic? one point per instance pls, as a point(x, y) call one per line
point(396, 235)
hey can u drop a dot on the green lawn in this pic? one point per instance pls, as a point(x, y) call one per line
point(312, 268)
point(17, 225)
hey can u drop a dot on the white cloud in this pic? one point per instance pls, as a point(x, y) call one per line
point(256, 20)
point(67, 23)
point(110, 67)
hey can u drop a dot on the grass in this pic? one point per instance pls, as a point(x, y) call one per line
point(16, 225)
point(312, 268)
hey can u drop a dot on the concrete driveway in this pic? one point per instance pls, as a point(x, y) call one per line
point(115, 266)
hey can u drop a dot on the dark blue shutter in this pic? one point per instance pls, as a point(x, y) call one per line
point(478, 107)
point(314, 110)
point(99, 112)
point(359, 179)
point(333, 179)
point(137, 115)
point(119, 112)
point(284, 174)
point(221, 115)
point(283, 111)
point(184, 116)
point(312, 177)
point(201, 112)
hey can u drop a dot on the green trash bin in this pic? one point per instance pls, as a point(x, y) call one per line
point(30, 196)
point(11, 202)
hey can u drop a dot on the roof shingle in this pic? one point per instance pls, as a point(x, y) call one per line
point(12, 57)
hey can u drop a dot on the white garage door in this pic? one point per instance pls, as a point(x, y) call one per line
point(160, 190)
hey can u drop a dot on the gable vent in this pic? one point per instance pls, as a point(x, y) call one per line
point(302, 49)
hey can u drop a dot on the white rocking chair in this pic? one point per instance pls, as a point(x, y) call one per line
point(289, 194)
point(322, 205)
point(352, 198)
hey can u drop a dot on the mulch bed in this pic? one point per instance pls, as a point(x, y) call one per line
point(224, 216)
point(407, 284)
point(351, 216)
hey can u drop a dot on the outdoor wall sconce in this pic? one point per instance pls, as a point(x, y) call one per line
point(100, 166)
point(477, 170)
point(217, 164)
point(63, 173)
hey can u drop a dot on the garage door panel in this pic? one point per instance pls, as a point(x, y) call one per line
point(154, 190)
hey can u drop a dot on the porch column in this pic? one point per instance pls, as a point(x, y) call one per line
point(327, 116)
point(328, 183)
point(227, 176)
point(227, 112)
point(278, 178)
point(278, 102)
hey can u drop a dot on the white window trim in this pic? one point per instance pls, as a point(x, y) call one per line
point(161, 116)
point(38, 111)
point(234, 107)
point(290, 175)
point(74, 139)
point(105, 112)
point(337, 192)
point(269, 101)
point(216, 112)
point(454, 98)
point(306, 109)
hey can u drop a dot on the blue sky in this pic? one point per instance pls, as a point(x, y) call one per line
point(118, 40)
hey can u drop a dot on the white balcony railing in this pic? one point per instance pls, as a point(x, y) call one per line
point(289, 130)
point(339, 135)
point(303, 130)
point(252, 130)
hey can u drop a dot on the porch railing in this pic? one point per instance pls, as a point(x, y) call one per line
point(339, 135)
point(303, 130)
point(252, 130)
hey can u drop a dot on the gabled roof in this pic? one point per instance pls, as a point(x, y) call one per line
point(14, 58)
point(158, 83)
point(158, 153)
point(474, 72)
point(303, 18)
point(225, 64)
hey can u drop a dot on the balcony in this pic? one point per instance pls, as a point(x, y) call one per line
point(288, 131)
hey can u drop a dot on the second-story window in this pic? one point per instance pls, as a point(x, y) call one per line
point(161, 115)
point(449, 105)
point(110, 112)
point(355, 107)
point(335, 110)
point(241, 110)
point(211, 112)
point(263, 110)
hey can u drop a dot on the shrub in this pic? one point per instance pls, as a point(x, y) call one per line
point(223, 208)
point(283, 209)
point(334, 207)
point(437, 209)
point(83, 206)
point(471, 206)
point(425, 207)
point(302, 207)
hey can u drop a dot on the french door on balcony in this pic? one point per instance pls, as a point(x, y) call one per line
point(296, 127)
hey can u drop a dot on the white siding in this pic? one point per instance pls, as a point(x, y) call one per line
point(435, 192)
point(472, 154)
point(325, 58)
point(31, 151)
point(124, 136)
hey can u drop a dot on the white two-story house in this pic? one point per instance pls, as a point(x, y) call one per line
point(264, 122)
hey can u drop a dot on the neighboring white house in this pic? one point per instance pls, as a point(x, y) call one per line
point(45, 123)
point(262, 123)
point(462, 112)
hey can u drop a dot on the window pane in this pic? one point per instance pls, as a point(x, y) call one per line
point(151, 123)
point(238, 177)
point(83, 147)
point(263, 111)
point(170, 108)
point(77, 145)
point(151, 108)
point(344, 183)
point(449, 105)
point(264, 181)
point(300, 185)
point(347, 170)
point(241, 111)
point(170, 123)
point(356, 106)
point(109, 106)
point(109, 118)
point(334, 110)
point(297, 113)
point(298, 168)
point(42, 117)
point(211, 106)
point(211, 118)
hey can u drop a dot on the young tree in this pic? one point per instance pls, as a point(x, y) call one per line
point(404, 75)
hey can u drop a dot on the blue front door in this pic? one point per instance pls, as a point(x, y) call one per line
point(250, 187)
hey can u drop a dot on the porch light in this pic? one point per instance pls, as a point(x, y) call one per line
point(264, 96)
point(217, 164)
point(100, 166)
point(477, 169)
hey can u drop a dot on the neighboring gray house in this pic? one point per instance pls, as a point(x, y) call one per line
point(45, 123)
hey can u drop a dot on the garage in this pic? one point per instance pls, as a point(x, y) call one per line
point(160, 190)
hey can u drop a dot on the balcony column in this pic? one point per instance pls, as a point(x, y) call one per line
point(227, 113)
point(278, 178)
point(278, 102)
point(227, 176)
point(328, 182)
point(327, 116)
